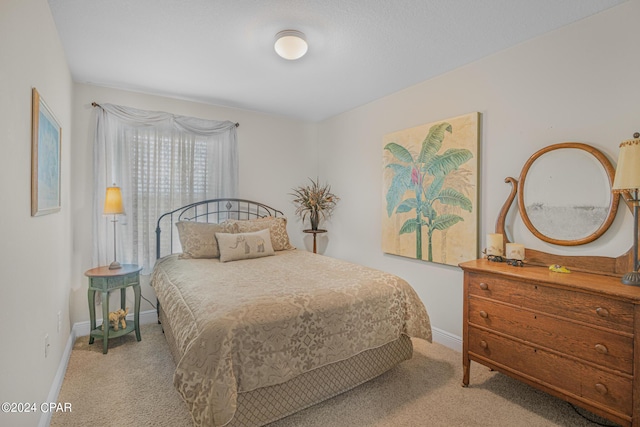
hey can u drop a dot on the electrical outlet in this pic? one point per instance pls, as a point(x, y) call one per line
point(59, 321)
point(46, 345)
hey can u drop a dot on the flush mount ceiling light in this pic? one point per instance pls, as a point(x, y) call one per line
point(290, 44)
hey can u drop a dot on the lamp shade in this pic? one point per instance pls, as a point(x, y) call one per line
point(291, 44)
point(113, 201)
point(628, 170)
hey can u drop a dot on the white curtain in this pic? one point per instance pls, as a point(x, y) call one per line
point(161, 162)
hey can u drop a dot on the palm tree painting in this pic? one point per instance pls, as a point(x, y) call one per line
point(430, 191)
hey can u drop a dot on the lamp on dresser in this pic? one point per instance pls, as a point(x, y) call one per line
point(627, 182)
point(113, 206)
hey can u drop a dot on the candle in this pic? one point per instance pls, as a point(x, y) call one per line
point(515, 251)
point(495, 244)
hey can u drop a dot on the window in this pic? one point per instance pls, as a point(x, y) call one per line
point(161, 162)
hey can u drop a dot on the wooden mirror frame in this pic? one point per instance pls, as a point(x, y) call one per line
point(613, 201)
point(610, 266)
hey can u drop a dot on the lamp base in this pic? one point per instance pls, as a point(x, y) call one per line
point(631, 279)
point(116, 265)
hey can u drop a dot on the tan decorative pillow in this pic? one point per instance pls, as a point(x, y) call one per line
point(277, 227)
point(238, 246)
point(198, 239)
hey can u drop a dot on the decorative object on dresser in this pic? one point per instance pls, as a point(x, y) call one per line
point(495, 244)
point(575, 336)
point(515, 251)
point(597, 182)
point(557, 268)
point(497, 251)
point(113, 206)
point(578, 199)
point(627, 182)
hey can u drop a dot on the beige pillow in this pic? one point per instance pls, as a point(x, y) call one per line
point(198, 238)
point(238, 246)
point(277, 227)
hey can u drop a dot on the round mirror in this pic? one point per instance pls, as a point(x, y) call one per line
point(567, 205)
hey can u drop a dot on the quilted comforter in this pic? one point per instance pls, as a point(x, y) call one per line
point(254, 323)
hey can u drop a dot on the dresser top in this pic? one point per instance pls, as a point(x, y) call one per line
point(596, 283)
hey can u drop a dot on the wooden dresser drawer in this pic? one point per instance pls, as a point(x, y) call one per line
point(599, 346)
point(586, 307)
point(551, 370)
point(572, 335)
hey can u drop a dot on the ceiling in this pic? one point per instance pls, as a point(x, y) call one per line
point(221, 51)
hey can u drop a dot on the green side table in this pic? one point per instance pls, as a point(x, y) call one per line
point(103, 280)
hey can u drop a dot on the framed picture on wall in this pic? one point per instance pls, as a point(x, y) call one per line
point(430, 191)
point(46, 139)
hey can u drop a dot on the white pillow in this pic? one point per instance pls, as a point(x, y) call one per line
point(239, 246)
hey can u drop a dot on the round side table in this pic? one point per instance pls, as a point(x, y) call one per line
point(103, 280)
point(315, 233)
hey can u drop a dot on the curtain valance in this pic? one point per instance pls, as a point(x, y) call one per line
point(135, 117)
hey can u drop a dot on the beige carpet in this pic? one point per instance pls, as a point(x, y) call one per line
point(132, 385)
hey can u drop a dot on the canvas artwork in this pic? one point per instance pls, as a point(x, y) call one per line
point(430, 191)
point(46, 137)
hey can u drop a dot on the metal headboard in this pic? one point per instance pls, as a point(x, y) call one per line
point(212, 211)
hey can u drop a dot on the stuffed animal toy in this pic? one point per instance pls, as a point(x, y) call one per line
point(117, 318)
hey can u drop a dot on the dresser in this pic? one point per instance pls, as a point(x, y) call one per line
point(573, 335)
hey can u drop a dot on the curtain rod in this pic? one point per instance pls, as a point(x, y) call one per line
point(95, 104)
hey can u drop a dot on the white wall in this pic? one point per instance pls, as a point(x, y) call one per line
point(34, 251)
point(579, 83)
point(276, 153)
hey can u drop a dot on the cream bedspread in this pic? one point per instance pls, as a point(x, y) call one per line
point(254, 323)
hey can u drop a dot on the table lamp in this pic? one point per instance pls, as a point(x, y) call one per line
point(113, 206)
point(627, 182)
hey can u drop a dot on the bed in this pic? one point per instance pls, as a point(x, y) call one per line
point(258, 329)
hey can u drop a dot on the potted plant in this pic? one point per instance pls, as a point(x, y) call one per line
point(315, 200)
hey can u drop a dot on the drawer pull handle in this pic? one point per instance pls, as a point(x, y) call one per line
point(602, 349)
point(483, 314)
point(484, 286)
point(484, 344)
point(602, 389)
point(602, 312)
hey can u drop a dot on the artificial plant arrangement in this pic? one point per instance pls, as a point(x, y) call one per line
point(315, 200)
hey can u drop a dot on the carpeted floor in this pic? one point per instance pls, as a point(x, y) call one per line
point(132, 385)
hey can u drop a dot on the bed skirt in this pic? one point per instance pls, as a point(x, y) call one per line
point(268, 404)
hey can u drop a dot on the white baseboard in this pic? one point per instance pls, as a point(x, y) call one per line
point(45, 418)
point(80, 329)
point(454, 342)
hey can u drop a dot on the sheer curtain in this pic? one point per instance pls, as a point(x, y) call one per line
point(161, 162)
